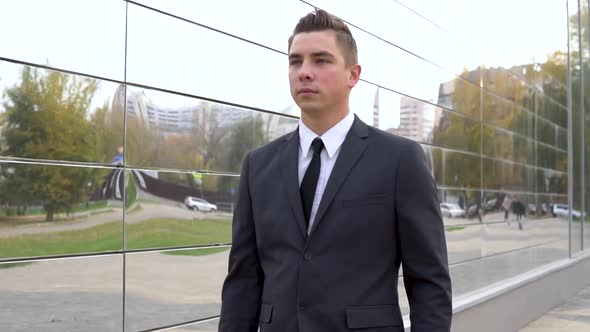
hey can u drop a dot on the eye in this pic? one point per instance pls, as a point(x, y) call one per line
point(294, 62)
point(322, 61)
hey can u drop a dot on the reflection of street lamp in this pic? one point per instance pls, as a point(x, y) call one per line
point(89, 186)
point(198, 179)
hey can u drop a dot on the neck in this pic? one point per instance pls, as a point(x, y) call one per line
point(320, 122)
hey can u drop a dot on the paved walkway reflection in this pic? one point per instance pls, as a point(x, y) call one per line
point(572, 316)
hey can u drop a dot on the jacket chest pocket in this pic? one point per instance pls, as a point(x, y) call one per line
point(366, 199)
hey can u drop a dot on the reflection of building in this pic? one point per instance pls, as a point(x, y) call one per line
point(152, 116)
point(417, 119)
point(376, 109)
point(202, 116)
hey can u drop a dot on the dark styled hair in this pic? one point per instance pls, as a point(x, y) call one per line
point(320, 20)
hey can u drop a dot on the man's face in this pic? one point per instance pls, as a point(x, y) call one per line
point(319, 78)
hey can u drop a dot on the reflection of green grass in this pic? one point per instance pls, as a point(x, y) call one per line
point(454, 228)
point(11, 265)
point(106, 237)
point(155, 233)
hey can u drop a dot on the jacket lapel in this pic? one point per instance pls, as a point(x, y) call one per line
point(289, 164)
point(352, 148)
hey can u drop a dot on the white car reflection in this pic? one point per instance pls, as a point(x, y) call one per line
point(562, 210)
point(199, 204)
point(451, 210)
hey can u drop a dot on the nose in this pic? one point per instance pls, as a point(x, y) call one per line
point(305, 72)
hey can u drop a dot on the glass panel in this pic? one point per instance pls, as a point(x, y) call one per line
point(551, 182)
point(364, 102)
point(172, 131)
point(59, 210)
point(390, 20)
point(424, 122)
point(204, 63)
point(576, 108)
point(480, 273)
point(503, 144)
point(431, 124)
point(51, 35)
point(167, 209)
point(52, 115)
point(394, 69)
point(81, 294)
point(507, 114)
point(501, 175)
point(510, 87)
point(165, 288)
point(551, 111)
point(562, 139)
point(246, 19)
point(454, 169)
point(464, 243)
point(459, 207)
point(551, 158)
point(546, 132)
point(585, 127)
point(520, 234)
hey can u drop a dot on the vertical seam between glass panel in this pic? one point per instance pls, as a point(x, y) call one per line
point(582, 170)
point(481, 133)
point(570, 138)
point(124, 294)
point(582, 135)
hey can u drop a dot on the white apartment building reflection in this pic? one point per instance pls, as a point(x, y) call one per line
point(417, 119)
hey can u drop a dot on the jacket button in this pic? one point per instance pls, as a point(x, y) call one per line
point(307, 255)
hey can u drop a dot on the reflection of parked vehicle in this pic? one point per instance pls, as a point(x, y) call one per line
point(472, 211)
point(490, 205)
point(199, 204)
point(451, 210)
point(562, 210)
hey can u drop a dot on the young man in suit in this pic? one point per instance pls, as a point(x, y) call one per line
point(326, 215)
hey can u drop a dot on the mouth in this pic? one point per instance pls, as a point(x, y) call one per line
point(306, 91)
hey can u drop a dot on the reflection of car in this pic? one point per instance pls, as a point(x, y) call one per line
point(451, 210)
point(490, 205)
point(199, 204)
point(562, 210)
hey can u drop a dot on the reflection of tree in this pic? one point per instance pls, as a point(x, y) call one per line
point(511, 99)
point(245, 135)
point(46, 119)
point(580, 65)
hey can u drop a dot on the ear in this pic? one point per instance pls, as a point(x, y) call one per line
point(355, 75)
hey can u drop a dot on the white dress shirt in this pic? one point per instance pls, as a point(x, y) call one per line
point(333, 139)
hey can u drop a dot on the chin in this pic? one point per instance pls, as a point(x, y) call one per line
point(309, 108)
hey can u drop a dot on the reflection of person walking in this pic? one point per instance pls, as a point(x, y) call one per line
point(506, 205)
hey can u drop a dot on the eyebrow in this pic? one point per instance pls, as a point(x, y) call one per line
point(314, 54)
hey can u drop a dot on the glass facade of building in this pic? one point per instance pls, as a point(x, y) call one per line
point(123, 125)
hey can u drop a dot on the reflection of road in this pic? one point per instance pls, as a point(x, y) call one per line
point(144, 211)
point(103, 216)
point(165, 289)
point(84, 294)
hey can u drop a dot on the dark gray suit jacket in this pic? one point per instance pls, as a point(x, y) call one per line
point(379, 209)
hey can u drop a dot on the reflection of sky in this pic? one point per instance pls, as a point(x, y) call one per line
point(176, 55)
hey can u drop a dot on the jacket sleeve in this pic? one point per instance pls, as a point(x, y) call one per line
point(422, 244)
point(242, 289)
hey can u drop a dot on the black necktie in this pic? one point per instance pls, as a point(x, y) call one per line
point(310, 180)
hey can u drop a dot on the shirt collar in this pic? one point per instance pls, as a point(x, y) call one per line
point(333, 138)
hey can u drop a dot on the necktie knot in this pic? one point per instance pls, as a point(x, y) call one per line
point(317, 145)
